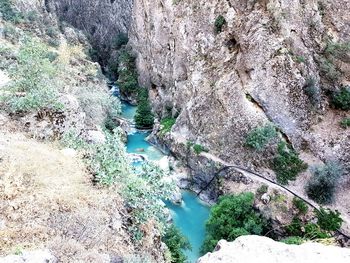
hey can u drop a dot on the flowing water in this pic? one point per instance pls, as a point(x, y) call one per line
point(191, 215)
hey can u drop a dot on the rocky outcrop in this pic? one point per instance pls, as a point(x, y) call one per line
point(223, 83)
point(37, 256)
point(247, 249)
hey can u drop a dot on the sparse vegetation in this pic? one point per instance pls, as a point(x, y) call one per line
point(231, 217)
point(300, 205)
point(120, 40)
point(167, 124)
point(199, 148)
point(220, 21)
point(345, 123)
point(9, 12)
point(287, 164)
point(293, 240)
point(261, 136)
point(34, 86)
point(321, 186)
point(262, 190)
point(176, 242)
point(341, 99)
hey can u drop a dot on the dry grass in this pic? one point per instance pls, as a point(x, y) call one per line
point(46, 199)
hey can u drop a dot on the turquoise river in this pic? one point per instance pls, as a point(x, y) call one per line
point(191, 215)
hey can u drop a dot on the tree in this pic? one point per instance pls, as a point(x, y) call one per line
point(231, 217)
point(176, 242)
point(144, 117)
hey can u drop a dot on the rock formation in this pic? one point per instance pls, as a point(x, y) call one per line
point(247, 249)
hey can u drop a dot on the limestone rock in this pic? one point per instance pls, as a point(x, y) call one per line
point(36, 256)
point(247, 249)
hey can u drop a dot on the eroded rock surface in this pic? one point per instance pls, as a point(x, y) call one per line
point(247, 249)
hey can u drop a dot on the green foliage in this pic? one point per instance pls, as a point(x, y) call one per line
point(262, 190)
point(144, 193)
point(33, 87)
point(167, 124)
point(329, 70)
point(321, 186)
point(144, 117)
point(307, 231)
point(300, 205)
point(109, 161)
point(259, 137)
point(220, 21)
point(341, 99)
point(199, 148)
point(127, 75)
point(329, 220)
point(176, 242)
point(293, 240)
point(9, 13)
point(287, 164)
point(71, 139)
point(231, 217)
point(338, 50)
point(345, 123)
point(120, 40)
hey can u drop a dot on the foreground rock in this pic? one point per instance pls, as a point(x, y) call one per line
point(263, 249)
point(37, 256)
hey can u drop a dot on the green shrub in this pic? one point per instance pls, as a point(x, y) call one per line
point(231, 217)
point(144, 117)
point(329, 70)
point(199, 148)
point(259, 137)
point(220, 21)
point(341, 99)
point(287, 164)
point(9, 13)
point(300, 205)
point(120, 40)
point(307, 231)
point(321, 186)
point(33, 87)
point(345, 123)
point(176, 243)
point(167, 124)
point(293, 240)
point(262, 190)
point(329, 220)
point(338, 50)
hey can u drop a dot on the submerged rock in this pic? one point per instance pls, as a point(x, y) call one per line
point(262, 249)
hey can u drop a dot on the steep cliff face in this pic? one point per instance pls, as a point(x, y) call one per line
point(224, 84)
point(227, 83)
point(101, 20)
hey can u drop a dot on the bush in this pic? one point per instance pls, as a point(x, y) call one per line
point(259, 137)
point(220, 21)
point(321, 186)
point(262, 190)
point(176, 243)
point(231, 217)
point(33, 87)
point(287, 164)
point(345, 123)
point(144, 118)
point(329, 220)
point(341, 99)
point(120, 40)
point(300, 205)
point(167, 124)
point(9, 13)
point(307, 231)
point(199, 148)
